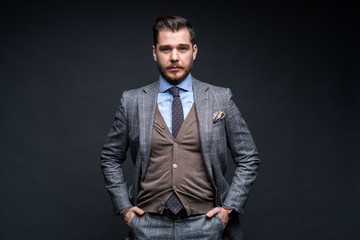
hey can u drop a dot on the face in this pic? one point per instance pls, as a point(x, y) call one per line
point(174, 55)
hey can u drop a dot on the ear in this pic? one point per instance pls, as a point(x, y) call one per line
point(154, 53)
point(195, 50)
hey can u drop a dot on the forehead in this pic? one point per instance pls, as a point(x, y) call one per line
point(168, 37)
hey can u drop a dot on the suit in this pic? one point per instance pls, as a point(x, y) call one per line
point(133, 128)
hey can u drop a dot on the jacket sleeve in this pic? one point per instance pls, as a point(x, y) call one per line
point(112, 157)
point(244, 154)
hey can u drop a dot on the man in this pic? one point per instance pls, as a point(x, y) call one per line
point(178, 130)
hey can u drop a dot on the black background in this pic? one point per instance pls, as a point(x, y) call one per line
point(293, 69)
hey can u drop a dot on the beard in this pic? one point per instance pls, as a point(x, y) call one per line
point(175, 78)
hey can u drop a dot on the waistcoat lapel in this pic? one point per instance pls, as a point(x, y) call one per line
point(203, 105)
point(146, 109)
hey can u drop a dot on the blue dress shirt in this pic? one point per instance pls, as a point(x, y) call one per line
point(165, 98)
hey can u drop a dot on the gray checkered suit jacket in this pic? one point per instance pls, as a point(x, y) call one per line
point(133, 128)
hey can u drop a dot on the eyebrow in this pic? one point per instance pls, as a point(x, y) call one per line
point(184, 45)
point(180, 45)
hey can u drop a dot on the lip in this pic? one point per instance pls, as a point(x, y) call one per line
point(174, 69)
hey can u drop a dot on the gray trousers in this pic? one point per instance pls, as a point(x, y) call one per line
point(156, 227)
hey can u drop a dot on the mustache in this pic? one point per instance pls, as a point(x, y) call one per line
point(174, 66)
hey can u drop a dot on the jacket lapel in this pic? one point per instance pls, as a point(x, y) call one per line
point(146, 108)
point(203, 103)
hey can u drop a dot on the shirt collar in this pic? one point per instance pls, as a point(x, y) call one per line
point(186, 84)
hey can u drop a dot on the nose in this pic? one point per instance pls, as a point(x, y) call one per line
point(174, 56)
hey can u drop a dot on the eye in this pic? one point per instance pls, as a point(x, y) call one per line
point(164, 49)
point(183, 48)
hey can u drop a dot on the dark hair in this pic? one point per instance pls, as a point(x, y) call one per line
point(173, 23)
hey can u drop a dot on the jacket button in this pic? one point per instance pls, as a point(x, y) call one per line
point(174, 187)
point(175, 144)
point(174, 165)
point(162, 203)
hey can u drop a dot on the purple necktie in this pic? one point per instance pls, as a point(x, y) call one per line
point(174, 203)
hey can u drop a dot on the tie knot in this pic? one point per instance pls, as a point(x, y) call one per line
point(175, 91)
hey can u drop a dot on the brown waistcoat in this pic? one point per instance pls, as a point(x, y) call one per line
point(176, 165)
